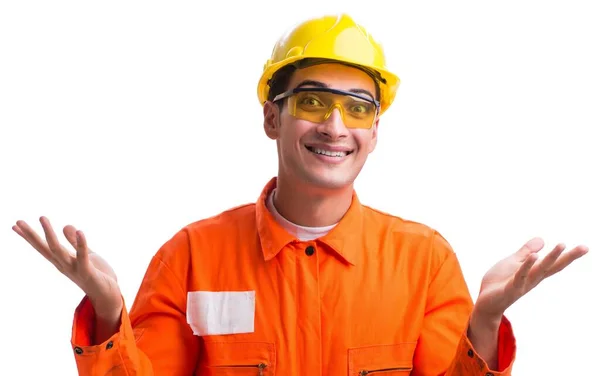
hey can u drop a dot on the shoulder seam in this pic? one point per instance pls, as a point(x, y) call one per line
point(214, 216)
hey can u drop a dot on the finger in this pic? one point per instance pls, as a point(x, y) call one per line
point(540, 271)
point(70, 233)
point(521, 275)
point(18, 230)
point(82, 251)
point(567, 258)
point(534, 245)
point(61, 255)
point(31, 237)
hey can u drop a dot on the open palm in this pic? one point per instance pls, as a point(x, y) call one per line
point(86, 269)
point(511, 278)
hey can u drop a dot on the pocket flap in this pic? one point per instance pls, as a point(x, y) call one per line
point(395, 357)
point(238, 353)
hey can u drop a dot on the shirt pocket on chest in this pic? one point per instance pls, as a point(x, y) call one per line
point(238, 358)
point(384, 360)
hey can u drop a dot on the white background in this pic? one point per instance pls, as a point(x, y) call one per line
point(131, 119)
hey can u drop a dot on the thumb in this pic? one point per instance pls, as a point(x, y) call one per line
point(79, 243)
point(71, 234)
point(534, 245)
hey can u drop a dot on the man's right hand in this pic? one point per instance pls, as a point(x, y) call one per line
point(86, 269)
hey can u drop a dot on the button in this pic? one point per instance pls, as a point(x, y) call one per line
point(310, 250)
point(79, 350)
point(109, 345)
point(470, 353)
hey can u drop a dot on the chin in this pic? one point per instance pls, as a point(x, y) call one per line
point(330, 181)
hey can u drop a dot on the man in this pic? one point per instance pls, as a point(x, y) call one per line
point(306, 281)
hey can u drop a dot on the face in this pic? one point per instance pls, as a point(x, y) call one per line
point(323, 154)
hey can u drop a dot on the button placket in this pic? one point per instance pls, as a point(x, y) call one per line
point(308, 300)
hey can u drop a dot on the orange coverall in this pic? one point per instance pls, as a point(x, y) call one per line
point(236, 294)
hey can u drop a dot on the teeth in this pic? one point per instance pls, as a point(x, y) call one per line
point(330, 153)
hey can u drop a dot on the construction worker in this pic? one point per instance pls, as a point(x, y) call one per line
point(307, 280)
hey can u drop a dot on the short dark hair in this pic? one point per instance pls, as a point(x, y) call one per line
point(280, 81)
point(281, 78)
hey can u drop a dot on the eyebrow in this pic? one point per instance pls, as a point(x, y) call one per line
point(324, 85)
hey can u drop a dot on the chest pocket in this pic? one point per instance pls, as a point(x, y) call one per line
point(384, 360)
point(238, 358)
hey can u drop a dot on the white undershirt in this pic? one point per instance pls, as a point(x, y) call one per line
point(301, 232)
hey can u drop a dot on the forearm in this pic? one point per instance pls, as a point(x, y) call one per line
point(483, 333)
point(107, 321)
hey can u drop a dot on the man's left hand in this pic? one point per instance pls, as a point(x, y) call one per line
point(516, 275)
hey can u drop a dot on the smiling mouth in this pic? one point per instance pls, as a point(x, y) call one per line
point(338, 154)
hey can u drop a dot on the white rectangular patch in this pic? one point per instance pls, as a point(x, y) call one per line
point(220, 312)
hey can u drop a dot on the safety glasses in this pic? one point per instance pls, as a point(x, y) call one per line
point(316, 104)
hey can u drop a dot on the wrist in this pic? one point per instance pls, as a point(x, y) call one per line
point(484, 321)
point(107, 311)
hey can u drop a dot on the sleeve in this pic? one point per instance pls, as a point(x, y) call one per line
point(467, 362)
point(154, 339)
point(443, 348)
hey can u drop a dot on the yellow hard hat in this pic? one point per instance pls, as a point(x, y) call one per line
point(337, 38)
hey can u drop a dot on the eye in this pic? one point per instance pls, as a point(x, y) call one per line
point(359, 108)
point(311, 101)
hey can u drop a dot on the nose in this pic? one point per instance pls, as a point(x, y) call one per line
point(333, 127)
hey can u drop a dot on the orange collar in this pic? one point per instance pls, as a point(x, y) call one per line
point(346, 239)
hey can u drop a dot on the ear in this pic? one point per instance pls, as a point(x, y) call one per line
point(271, 120)
point(374, 133)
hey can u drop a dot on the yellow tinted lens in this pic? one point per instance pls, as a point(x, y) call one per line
point(316, 106)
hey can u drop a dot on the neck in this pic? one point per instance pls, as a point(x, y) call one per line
point(309, 206)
